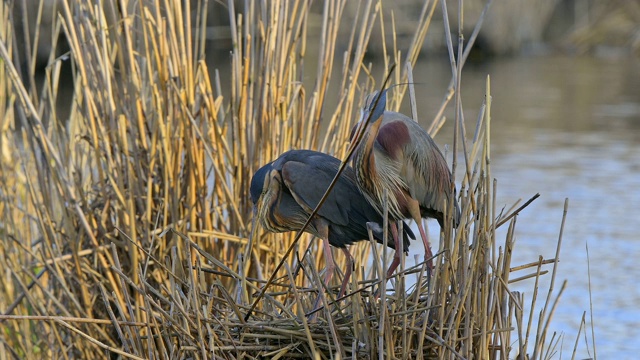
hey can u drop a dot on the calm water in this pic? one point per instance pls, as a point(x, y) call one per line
point(566, 127)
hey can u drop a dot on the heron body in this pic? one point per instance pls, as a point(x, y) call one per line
point(286, 191)
point(398, 156)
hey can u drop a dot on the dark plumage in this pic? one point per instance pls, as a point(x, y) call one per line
point(399, 156)
point(285, 192)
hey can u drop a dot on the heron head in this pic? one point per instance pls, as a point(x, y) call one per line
point(372, 110)
point(266, 194)
point(259, 183)
point(259, 186)
point(374, 104)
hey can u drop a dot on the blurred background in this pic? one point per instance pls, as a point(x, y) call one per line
point(565, 79)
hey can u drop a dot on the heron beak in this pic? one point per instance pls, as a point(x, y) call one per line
point(249, 248)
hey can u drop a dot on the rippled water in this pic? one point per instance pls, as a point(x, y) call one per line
point(566, 128)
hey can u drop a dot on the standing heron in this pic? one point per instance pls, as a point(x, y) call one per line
point(286, 191)
point(398, 157)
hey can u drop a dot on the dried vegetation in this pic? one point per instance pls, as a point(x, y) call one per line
point(123, 225)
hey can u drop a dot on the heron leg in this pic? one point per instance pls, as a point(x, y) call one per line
point(331, 265)
point(396, 256)
point(414, 209)
point(323, 229)
point(323, 232)
point(347, 274)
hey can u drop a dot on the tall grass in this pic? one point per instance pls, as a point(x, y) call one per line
point(123, 226)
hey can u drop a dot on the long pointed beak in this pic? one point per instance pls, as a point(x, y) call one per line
point(248, 250)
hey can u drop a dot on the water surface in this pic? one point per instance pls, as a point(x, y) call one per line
point(567, 128)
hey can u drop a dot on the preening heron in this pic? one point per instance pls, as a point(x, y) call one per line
point(398, 156)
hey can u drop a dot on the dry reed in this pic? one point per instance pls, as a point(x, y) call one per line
point(123, 227)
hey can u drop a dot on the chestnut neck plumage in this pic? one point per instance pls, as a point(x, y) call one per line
point(369, 175)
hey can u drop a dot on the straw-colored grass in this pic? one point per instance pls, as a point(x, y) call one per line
point(123, 227)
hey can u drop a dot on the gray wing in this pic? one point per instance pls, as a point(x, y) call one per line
point(308, 182)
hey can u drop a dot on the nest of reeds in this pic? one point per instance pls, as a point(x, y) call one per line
point(125, 223)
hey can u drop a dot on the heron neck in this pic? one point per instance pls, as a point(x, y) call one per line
point(366, 160)
point(371, 136)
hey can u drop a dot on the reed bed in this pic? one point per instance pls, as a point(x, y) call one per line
point(124, 225)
